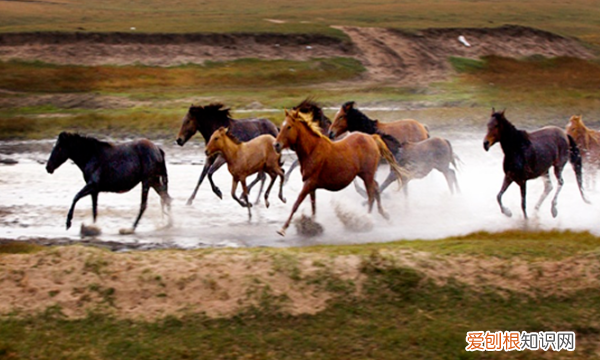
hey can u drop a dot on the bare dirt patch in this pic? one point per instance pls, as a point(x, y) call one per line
point(220, 283)
point(389, 55)
point(423, 56)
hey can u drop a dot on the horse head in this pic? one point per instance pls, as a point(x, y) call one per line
point(60, 152)
point(340, 121)
point(575, 127)
point(189, 125)
point(495, 126)
point(289, 133)
point(217, 142)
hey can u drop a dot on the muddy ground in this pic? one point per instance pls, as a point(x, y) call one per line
point(388, 55)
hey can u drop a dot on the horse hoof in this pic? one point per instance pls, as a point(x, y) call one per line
point(385, 215)
point(127, 231)
point(281, 232)
point(554, 212)
point(218, 193)
point(189, 202)
point(267, 203)
point(507, 212)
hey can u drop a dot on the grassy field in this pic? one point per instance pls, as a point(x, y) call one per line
point(400, 311)
point(575, 18)
point(152, 100)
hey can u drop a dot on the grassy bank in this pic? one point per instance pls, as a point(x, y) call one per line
point(407, 299)
point(45, 99)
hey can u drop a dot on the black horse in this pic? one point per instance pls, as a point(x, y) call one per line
point(206, 120)
point(309, 106)
point(528, 155)
point(112, 168)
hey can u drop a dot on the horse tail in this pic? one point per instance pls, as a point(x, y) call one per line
point(162, 175)
point(454, 159)
point(386, 153)
point(576, 163)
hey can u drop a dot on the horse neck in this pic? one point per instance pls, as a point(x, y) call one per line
point(306, 145)
point(361, 122)
point(230, 149)
point(83, 151)
point(513, 140)
point(207, 128)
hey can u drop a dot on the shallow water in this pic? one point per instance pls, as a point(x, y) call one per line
point(34, 204)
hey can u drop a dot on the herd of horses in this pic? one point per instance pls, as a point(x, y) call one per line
point(331, 155)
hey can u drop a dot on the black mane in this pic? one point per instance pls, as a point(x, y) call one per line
point(517, 140)
point(357, 121)
point(307, 106)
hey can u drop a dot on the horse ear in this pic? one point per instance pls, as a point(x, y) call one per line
point(503, 110)
point(493, 110)
point(348, 105)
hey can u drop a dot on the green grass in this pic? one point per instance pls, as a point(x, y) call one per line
point(574, 18)
point(401, 316)
point(399, 313)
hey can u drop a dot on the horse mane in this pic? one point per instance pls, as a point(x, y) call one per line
point(307, 120)
point(82, 139)
point(357, 120)
point(309, 105)
point(216, 111)
point(232, 137)
point(521, 136)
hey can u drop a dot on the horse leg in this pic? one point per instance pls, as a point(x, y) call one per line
point(313, 203)
point(260, 177)
point(375, 195)
point(523, 186)
point(559, 179)
point(281, 183)
point(289, 171)
point(360, 190)
point(87, 190)
point(547, 190)
point(145, 189)
point(165, 200)
point(388, 180)
point(273, 178)
point(218, 162)
point(209, 162)
point(505, 184)
point(450, 176)
point(306, 189)
point(94, 196)
point(234, 184)
point(245, 197)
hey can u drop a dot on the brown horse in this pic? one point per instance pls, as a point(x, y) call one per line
point(332, 165)
point(349, 118)
point(588, 141)
point(247, 158)
point(528, 155)
point(206, 120)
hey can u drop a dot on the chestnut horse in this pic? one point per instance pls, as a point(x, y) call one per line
point(588, 141)
point(309, 106)
point(349, 118)
point(332, 165)
point(247, 158)
point(112, 168)
point(206, 120)
point(528, 155)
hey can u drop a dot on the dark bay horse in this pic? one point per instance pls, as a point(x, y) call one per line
point(348, 118)
point(206, 120)
point(112, 168)
point(309, 106)
point(247, 158)
point(528, 155)
point(332, 165)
